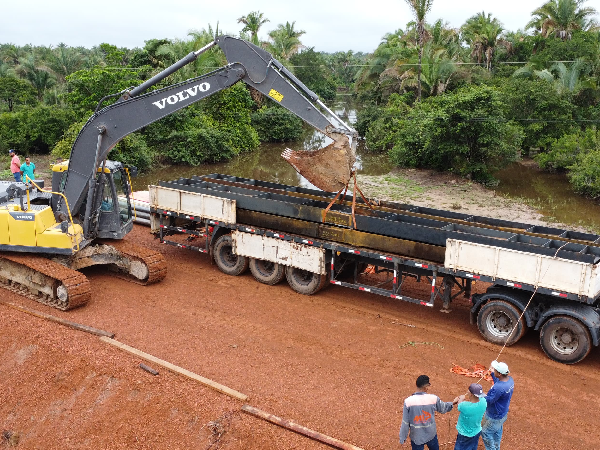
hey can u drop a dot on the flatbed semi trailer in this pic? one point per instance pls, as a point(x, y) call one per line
point(542, 278)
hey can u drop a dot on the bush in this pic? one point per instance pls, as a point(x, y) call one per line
point(311, 69)
point(578, 154)
point(447, 133)
point(87, 87)
point(365, 117)
point(196, 146)
point(536, 106)
point(132, 149)
point(35, 130)
point(584, 175)
point(382, 132)
point(62, 149)
point(229, 112)
point(276, 124)
point(567, 150)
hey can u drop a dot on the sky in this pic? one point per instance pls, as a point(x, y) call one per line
point(330, 25)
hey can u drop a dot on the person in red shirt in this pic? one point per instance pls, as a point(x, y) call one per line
point(15, 165)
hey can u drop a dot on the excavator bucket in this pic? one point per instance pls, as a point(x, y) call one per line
point(329, 168)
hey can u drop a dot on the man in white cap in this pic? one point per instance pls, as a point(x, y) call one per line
point(498, 401)
point(471, 408)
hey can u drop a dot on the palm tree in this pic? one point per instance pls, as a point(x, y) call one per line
point(12, 54)
point(393, 46)
point(285, 40)
point(252, 23)
point(436, 70)
point(562, 17)
point(64, 60)
point(38, 75)
point(211, 59)
point(482, 34)
point(568, 80)
point(420, 8)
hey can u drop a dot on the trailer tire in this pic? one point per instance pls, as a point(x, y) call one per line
point(565, 339)
point(266, 272)
point(227, 261)
point(495, 322)
point(305, 282)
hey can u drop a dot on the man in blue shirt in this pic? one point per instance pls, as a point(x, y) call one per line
point(498, 401)
point(471, 408)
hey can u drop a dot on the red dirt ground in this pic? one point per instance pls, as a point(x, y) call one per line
point(340, 362)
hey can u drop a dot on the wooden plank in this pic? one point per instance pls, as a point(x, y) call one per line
point(299, 428)
point(172, 367)
point(67, 323)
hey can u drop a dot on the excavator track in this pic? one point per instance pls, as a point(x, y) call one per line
point(44, 281)
point(153, 260)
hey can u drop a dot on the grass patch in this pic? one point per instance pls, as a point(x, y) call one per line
point(6, 175)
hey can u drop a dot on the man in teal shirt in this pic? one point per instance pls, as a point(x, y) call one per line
point(471, 408)
point(27, 170)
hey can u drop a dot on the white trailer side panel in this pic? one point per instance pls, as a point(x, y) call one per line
point(526, 268)
point(278, 251)
point(193, 204)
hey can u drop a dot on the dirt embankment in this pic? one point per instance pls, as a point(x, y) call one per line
point(339, 362)
point(446, 191)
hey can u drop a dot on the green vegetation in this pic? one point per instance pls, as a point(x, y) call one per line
point(47, 95)
point(470, 101)
point(446, 133)
point(467, 100)
point(276, 124)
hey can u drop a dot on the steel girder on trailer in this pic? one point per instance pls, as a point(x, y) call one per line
point(398, 266)
point(421, 225)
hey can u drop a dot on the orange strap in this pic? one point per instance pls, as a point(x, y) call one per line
point(476, 371)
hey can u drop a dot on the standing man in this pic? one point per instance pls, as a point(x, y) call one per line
point(498, 400)
point(471, 408)
point(418, 416)
point(27, 170)
point(15, 165)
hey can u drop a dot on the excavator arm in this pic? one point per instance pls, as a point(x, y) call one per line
point(246, 62)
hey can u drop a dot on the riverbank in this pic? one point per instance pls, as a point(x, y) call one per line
point(437, 190)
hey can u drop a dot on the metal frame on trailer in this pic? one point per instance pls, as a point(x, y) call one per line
point(400, 267)
point(416, 224)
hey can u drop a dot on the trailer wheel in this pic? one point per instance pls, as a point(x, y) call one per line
point(305, 282)
point(565, 339)
point(227, 261)
point(266, 272)
point(496, 320)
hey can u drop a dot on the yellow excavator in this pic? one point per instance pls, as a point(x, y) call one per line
point(47, 235)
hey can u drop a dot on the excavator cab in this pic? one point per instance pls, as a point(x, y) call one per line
point(111, 214)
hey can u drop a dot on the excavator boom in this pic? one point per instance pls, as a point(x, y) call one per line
point(328, 169)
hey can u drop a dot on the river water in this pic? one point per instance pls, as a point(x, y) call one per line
point(549, 193)
point(266, 163)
